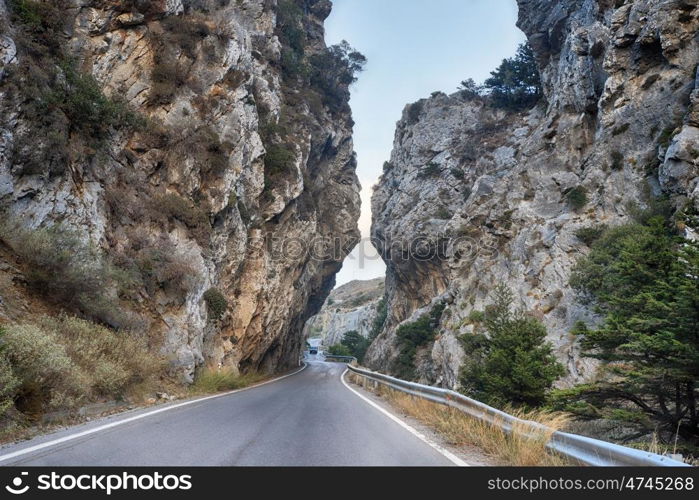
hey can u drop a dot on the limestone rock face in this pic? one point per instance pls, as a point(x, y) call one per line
point(473, 197)
point(201, 159)
point(349, 307)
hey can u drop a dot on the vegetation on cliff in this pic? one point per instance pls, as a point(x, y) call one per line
point(643, 279)
point(510, 362)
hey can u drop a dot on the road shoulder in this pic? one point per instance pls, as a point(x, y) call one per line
point(470, 455)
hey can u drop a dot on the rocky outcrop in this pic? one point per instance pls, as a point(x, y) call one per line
point(350, 307)
point(473, 196)
point(237, 169)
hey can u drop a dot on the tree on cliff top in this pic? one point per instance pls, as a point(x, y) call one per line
point(516, 83)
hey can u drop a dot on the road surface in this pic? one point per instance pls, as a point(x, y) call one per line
point(307, 419)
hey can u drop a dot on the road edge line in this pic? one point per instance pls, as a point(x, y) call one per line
point(65, 439)
point(443, 451)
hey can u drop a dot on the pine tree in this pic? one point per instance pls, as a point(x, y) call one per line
point(516, 83)
point(511, 363)
point(644, 280)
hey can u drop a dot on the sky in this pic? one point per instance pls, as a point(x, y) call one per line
point(414, 48)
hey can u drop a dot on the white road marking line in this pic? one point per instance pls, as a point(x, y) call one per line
point(64, 439)
point(456, 460)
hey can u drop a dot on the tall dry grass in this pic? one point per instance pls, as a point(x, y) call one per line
point(211, 380)
point(514, 449)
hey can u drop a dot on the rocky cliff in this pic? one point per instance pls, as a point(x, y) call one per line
point(473, 196)
point(350, 307)
point(182, 143)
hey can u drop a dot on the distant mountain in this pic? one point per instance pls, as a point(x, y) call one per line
point(349, 307)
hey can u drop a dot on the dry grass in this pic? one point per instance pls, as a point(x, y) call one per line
point(211, 381)
point(460, 430)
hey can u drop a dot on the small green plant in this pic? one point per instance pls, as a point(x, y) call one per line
point(617, 160)
point(458, 173)
point(174, 206)
point(411, 337)
point(28, 12)
point(379, 319)
point(216, 303)
point(279, 160)
point(442, 213)
point(666, 135)
point(476, 316)
point(621, 129)
point(577, 197)
point(432, 169)
point(589, 235)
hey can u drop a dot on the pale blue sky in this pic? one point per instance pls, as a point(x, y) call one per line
point(414, 47)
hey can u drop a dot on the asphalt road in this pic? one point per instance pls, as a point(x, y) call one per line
point(307, 419)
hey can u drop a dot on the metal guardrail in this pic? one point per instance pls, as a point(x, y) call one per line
point(344, 359)
point(578, 449)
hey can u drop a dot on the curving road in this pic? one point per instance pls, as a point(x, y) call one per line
point(307, 419)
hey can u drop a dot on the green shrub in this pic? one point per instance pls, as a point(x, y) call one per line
point(414, 111)
point(339, 350)
point(68, 271)
point(216, 303)
point(279, 160)
point(442, 213)
point(458, 173)
point(209, 380)
point(355, 344)
point(168, 77)
point(513, 364)
point(621, 129)
point(48, 377)
point(432, 169)
point(470, 89)
point(163, 267)
point(379, 320)
point(212, 153)
point(185, 32)
point(174, 206)
point(617, 160)
point(476, 316)
point(113, 360)
point(9, 383)
point(412, 336)
point(87, 108)
point(589, 235)
point(333, 71)
point(63, 362)
point(577, 197)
